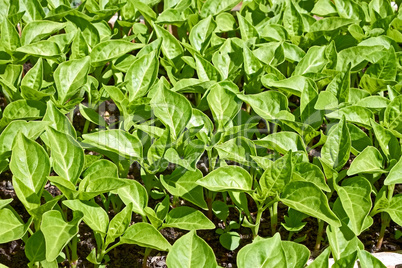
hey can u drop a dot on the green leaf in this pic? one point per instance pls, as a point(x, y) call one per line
point(266, 104)
point(262, 252)
point(145, 235)
point(322, 261)
point(142, 75)
point(116, 141)
point(297, 255)
point(224, 105)
point(110, 50)
point(24, 109)
point(168, 106)
point(30, 163)
point(38, 30)
point(227, 178)
point(395, 209)
point(94, 216)
point(282, 142)
point(368, 161)
point(309, 199)
point(275, 178)
point(367, 260)
point(134, 193)
point(191, 251)
point(182, 183)
point(67, 156)
point(200, 34)
point(35, 247)
point(45, 49)
point(171, 47)
point(69, 77)
point(188, 218)
point(119, 224)
point(311, 173)
point(58, 232)
point(211, 7)
point(11, 226)
point(356, 201)
point(336, 149)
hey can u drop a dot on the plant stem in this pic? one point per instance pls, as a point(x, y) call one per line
point(112, 247)
point(385, 219)
point(319, 235)
point(257, 222)
point(274, 217)
point(147, 252)
point(209, 203)
point(74, 255)
point(86, 127)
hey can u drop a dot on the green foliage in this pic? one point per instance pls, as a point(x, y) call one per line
point(184, 112)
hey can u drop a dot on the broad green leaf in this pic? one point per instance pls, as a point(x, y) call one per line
point(69, 77)
point(395, 209)
point(224, 105)
point(142, 75)
point(45, 49)
point(238, 150)
point(31, 130)
point(35, 248)
point(191, 251)
point(297, 255)
point(387, 141)
point(393, 115)
point(94, 216)
point(336, 149)
point(116, 141)
point(119, 224)
point(182, 183)
point(134, 193)
point(353, 114)
point(171, 47)
point(58, 120)
point(309, 172)
point(264, 252)
point(356, 201)
point(368, 161)
point(24, 109)
point(173, 109)
point(313, 62)
point(9, 35)
point(67, 156)
point(309, 199)
point(110, 50)
point(30, 163)
point(31, 84)
point(200, 34)
point(101, 168)
point(342, 241)
point(145, 235)
point(282, 142)
point(11, 226)
point(211, 7)
point(367, 260)
point(188, 218)
point(58, 232)
point(266, 104)
point(322, 261)
point(41, 29)
point(227, 178)
point(92, 116)
point(395, 174)
point(275, 178)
